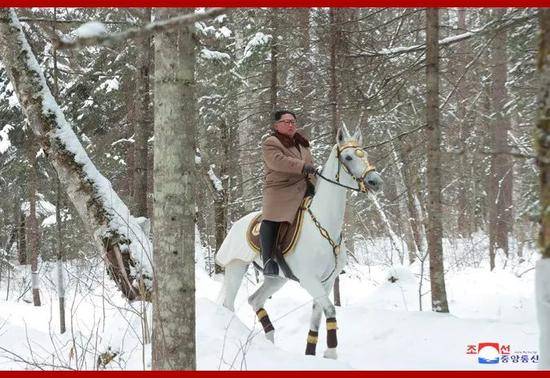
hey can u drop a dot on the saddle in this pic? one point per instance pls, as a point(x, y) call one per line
point(287, 236)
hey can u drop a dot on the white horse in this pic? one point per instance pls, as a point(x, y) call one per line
point(316, 260)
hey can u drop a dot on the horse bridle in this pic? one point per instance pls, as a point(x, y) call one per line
point(360, 153)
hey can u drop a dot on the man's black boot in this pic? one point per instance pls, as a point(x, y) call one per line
point(268, 236)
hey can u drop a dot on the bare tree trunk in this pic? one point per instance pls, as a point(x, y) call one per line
point(32, 222)
point(246, 127)
point(305, 70)
point(21, 234)
point(335, 34)
point(58, 205)
point(60, 253)
point(115, 232)
point(542, 138)
point(465, 208)
point(221, 198)
point(334, 41)
point(274, 56)
point(174, 205)
point(127, 185)
point(413, 222)
point(501, 176)
point(435, 227)
point(143, 121)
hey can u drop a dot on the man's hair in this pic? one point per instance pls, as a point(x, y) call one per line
point(279, 113)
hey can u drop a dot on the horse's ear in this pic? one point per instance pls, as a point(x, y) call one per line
point(358, 136)
point(347, 134)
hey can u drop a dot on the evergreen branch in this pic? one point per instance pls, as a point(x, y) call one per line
point(137, 32)
point(491, 27)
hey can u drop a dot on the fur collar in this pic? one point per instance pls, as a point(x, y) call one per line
point(298, 140)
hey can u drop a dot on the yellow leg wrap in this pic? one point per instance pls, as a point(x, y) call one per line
point(261, 314)
point(312, 339)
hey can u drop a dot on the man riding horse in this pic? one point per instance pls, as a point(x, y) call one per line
point(289, 177)
point(319, 253)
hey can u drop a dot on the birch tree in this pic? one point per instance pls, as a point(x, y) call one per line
point(174, 204)
point(116, 233)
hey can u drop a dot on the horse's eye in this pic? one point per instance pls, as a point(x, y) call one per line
point(349, 158)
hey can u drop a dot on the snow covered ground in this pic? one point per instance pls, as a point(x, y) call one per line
point(380, 325)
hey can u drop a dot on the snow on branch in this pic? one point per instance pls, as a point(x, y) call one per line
point(216, 182)
point(4, 138)
point(117, 234)
point(492, 26)
point(87, 37)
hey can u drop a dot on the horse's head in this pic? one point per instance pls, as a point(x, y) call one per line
point(353, 158)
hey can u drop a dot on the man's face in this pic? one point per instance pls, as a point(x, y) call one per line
point(286, 125)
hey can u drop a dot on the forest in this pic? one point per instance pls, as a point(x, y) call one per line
point(131, 144)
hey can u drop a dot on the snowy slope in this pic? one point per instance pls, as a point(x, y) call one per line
point(380, 326)
point(376, 331)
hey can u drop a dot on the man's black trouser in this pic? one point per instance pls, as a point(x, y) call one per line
point(268, 238)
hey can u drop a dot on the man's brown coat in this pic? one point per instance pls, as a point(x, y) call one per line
point(284, 183)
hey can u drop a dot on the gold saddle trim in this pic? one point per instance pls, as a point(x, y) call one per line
point(288, 234)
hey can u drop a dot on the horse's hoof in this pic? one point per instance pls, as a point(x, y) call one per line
point(330, 353)
point(270, 336)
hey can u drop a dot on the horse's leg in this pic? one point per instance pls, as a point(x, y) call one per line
point(319, 292)
point(257, 300)
point(234, 272)
point(312, 336)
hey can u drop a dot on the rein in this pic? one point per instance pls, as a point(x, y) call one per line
point(317, 173)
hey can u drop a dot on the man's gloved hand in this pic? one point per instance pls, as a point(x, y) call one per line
point(309, 169)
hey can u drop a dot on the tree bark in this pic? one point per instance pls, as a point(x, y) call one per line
point(60, 254)
point(414, 222)
point(58, 205)
point(542, 145)
point(21, 233)
point(435, 227)
point(465, 207)
point(32, 222)
point(334, 40)
point(542, 132)
point(501, 176)
point(221, 197)
point(142, 129)
point(116, 233)
point(174, 205)
point(305, 69)
point(273, 99)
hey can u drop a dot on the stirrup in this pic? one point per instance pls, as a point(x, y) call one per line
point(271, 268)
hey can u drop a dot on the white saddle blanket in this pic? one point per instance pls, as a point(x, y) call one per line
point(235, 245)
